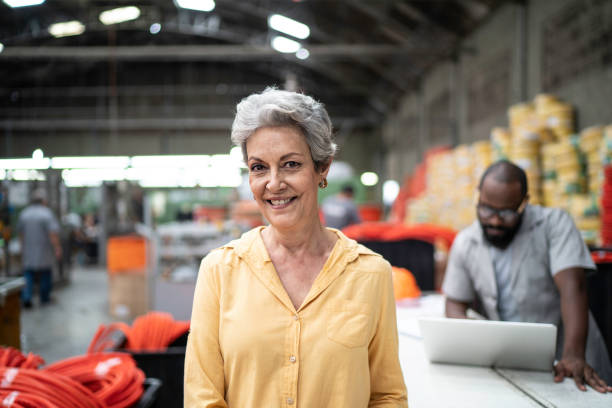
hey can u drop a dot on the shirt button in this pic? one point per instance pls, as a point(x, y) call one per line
point(290, 401)
point(296, 317)
point(292, 359)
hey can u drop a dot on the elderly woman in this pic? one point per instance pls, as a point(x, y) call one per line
point(292, 314)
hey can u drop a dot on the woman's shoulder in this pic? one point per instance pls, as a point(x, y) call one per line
point(229, 253)
point(370, 261)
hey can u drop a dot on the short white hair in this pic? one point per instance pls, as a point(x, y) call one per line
point(274, 107)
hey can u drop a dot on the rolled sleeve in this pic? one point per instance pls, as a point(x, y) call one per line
point(204, 382)
point(457, 283)
point(387, 388)
point(566, 246)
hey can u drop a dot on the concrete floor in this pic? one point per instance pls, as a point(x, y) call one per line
point(65, 327)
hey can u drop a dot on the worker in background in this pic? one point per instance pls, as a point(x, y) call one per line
point(340, 210)
point(38, 231)
point(528, 263)
point(292, 314)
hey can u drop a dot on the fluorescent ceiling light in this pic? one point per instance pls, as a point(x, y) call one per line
point(183, 161)
point(1, 47)
point(119, 15)
point(216, 177)
point(289, 26)
point(302, 53)
point(285, 45)
point(391, 189)
point(91, 177)
point(23, 3)
point(38, 154)
point(369, 178)
point(66, 29)
point(90, 162)
point(199, 5)
point(2, 174)
point(27, 175)
point(24, 164)
point(155, 28)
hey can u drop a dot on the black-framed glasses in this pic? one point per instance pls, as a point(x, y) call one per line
point(506, 214)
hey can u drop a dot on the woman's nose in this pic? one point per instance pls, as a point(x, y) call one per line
point(276, 181)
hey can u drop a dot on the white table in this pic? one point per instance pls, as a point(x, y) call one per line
point(457, 386)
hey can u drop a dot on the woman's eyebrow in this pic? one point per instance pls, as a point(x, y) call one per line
point(286, 156)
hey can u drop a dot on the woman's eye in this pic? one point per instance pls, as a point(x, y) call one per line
point(256, 167)
point(292, 164)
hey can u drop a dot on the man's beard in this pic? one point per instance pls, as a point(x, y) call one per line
point(507, 233)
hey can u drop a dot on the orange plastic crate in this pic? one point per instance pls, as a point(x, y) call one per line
point(126, 254)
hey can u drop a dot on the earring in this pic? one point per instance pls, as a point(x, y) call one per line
point(323, 183)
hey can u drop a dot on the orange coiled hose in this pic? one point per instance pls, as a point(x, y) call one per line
point(113, 378)
point(16, 399)
point(153, 331)
point(37, 386)
point(11, 357)
point(105, 337)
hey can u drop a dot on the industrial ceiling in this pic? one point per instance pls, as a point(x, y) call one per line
point(174, 68)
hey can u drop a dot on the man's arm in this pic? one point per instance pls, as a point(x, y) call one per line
point(571, 283)
point(55, 241)
point(456, 309)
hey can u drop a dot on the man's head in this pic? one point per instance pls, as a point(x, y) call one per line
point(348, 191)
point(502, 199)
point(39, 196)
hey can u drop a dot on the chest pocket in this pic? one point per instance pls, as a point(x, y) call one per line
point(349, 324)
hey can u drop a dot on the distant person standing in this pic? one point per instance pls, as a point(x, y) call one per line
point(340, 210)
point(40, 246)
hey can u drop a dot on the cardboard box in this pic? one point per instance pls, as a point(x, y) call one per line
point(128, 295)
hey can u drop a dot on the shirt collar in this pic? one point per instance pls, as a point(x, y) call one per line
point(252, 249)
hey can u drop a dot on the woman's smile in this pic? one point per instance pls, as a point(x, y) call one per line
point(280, 203)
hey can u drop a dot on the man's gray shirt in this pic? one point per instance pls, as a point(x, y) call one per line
point(340, 212)
point(35, 224)
point(547, 242)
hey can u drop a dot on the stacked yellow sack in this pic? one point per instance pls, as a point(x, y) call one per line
point(527, 135)
point(418, 211)
point(584, 209)
point(550, 191)
point(556, 115)
point(440, 186)
point(464, 186)
point(590, 144)
point(500, 143)
point(606, 146)
point(569, 166)
point(521, 114)
point(483, 158)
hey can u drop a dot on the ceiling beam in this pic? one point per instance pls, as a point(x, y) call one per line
point(145, 124)
point(208, 52)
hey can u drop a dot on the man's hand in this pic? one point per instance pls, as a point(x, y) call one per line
point(581, 372)
point(58, 252)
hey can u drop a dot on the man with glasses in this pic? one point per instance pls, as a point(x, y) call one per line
point(522, 262)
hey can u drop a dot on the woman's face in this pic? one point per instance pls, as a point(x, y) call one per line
point(283, 177)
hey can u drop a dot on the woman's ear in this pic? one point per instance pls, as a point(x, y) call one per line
point(324, 168)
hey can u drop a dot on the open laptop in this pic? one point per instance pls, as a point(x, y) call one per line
point(528, 346)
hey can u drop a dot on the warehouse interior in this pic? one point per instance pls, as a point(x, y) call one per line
point(120, 111)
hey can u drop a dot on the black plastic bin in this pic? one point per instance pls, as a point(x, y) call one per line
point(168, 367)
point(415, 255)
point(149, 397)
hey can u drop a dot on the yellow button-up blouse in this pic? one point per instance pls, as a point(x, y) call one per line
point(249, 347)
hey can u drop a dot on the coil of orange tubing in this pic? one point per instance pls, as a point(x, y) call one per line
point(113, 378)
point(11, 357)
point(44, 389)
point(153, 331)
